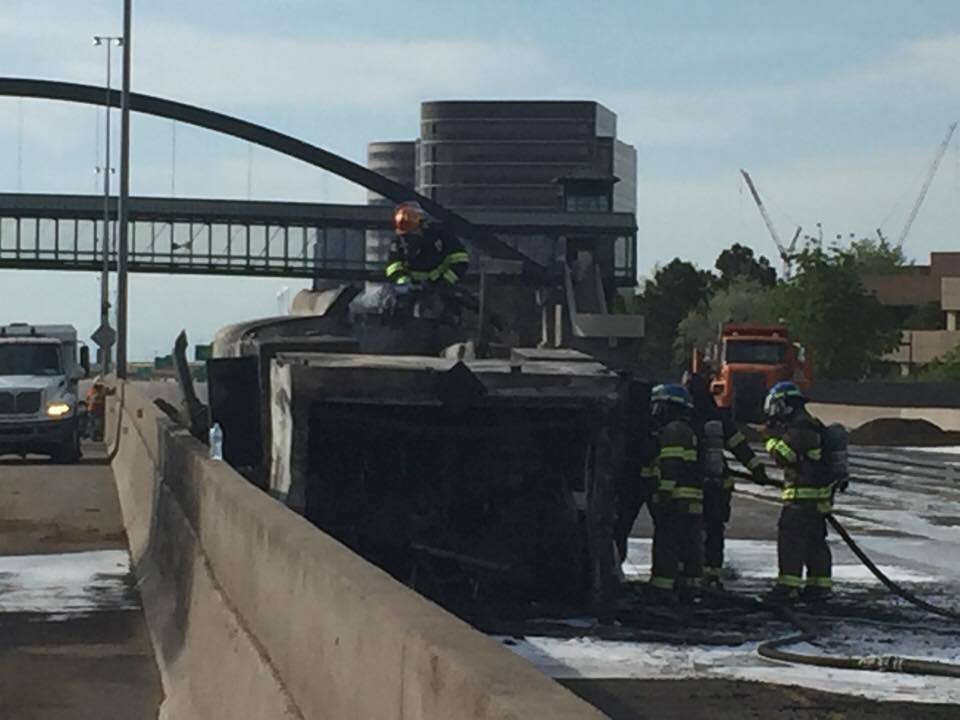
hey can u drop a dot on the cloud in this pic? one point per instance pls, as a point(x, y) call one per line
point(705, 117)
point(691, 139)
point(264, 71)
point(852, 193)
point(931, 61)
point(230, 69)
point(272, 177)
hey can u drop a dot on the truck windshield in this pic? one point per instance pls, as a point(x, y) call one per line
point(29, 359)
point(754, 352)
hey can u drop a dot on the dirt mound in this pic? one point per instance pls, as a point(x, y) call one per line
point(898, 431)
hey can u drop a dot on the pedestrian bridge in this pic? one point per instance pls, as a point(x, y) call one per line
point(269, 239)
point(276, 239)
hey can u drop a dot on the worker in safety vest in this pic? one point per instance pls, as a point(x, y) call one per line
point(677, 504)
point(794, 442)
point(96, 408)
point(718, 492)
point(423, 252)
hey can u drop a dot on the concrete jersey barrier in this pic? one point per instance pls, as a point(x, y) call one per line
point(887, 394)
point(256, 614)
point(853, 416)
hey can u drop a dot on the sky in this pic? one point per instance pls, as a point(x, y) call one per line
point(836, 109)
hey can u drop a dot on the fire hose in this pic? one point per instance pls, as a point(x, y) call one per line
point(773, 649)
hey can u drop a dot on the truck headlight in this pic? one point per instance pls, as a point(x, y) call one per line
point(58, 409)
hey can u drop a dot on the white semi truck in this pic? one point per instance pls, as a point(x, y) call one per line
point(40, 407)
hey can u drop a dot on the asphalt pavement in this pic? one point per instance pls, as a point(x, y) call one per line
point(902, 507)
point(73, 639)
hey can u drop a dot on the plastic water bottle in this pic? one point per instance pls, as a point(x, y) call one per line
point(216, 442)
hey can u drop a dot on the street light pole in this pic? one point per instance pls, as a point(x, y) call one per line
point(108, 41)
point(123, 201)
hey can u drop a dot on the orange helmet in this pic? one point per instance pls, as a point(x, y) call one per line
point(409, 217)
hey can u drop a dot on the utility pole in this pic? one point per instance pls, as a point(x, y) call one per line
point(20, 145)
point(123, 202)
point(107, 41)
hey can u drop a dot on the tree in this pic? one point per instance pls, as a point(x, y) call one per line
point(876, 257)
point(944, 368)
point(674, 290)
point(827, 308)
point(743, 300)
point(738, 261)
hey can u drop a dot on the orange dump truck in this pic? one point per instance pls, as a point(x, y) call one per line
point(749, 360)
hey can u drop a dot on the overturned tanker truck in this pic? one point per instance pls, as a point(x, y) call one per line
point(478, 481)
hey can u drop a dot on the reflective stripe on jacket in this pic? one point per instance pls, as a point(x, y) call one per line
point(431, 257)
point(795, 447)
point(678, 463)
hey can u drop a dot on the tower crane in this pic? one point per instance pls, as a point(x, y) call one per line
point(787, 253)
point(941, 151)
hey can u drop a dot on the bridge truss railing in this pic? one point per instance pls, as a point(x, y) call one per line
point(297, 240)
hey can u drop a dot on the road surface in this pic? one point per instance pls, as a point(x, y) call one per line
point(904, 508)
point(73, 640)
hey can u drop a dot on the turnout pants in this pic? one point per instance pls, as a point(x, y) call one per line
point(677, 540)
point(802, 543)
point(716, 515)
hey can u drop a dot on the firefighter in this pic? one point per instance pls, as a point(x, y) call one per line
point(795, 443)
point(718, 492)
point(677, 504)
point(635, 487)
point(423, 252)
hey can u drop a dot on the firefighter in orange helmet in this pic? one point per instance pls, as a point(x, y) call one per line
point(423, 252)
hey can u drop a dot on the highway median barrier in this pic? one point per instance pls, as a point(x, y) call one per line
point(255, 613)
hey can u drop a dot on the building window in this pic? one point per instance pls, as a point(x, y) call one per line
point(625, 260)
point(588, 203)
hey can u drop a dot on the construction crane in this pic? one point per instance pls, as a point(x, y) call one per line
point(941, 151)
point(787, 253)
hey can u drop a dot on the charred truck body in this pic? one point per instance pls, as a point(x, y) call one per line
point(476, 481)
point(436, 445)
point(490, 480)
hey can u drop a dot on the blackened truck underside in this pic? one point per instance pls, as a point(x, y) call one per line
point(477, 483)
point(473, 482)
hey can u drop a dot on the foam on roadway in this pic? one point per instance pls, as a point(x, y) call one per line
point(903, 509)
point(73, 640)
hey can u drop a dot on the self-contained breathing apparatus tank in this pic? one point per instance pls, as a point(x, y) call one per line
point(834, 440)
point(712, 459)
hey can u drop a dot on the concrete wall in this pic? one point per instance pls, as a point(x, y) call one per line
point(903, 288)
point(210, 665)
point(256, 614)
point(950, 293)
point(924, 346)
point(887, 394)
point(854, 403)
point(853, 416)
